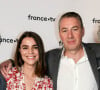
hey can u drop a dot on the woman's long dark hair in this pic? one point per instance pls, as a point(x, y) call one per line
point(40, 66)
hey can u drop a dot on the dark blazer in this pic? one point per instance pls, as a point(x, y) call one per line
point(53, 59)
point(2, 83)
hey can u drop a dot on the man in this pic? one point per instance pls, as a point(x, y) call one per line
point(75, 66)
point(2, 83)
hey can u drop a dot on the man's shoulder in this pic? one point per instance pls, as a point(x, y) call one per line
point(56, 50)
point(95, 47)
point(2, 83)
point(53, 53)
point(93, 44)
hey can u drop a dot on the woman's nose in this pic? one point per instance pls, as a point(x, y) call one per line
point(30, 50)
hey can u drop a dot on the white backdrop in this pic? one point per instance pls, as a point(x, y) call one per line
point(14, 20)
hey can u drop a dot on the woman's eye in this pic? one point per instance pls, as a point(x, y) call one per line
point(36, 47)
point(24, 47)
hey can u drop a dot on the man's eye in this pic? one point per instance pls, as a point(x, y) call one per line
point(64, 30)
point(75, 29)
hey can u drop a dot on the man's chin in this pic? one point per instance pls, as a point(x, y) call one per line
point(72, 49)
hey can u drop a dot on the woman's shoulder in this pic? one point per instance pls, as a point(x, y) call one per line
point(44, 79)
point(13, 70)
point(12, 73)
point(47, 80)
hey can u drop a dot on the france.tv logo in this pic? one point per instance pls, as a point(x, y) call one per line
point(0, 38)
point(7, 40)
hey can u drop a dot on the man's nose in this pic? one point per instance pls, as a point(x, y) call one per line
point(70, 34)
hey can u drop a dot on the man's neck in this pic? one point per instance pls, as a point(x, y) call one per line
point(75, 54)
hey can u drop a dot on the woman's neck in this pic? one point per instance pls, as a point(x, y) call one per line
point(29, 76)
point(28, 70)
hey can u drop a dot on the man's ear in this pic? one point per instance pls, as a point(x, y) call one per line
point(83, 32)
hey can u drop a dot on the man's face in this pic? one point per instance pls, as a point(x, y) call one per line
point(71, 33)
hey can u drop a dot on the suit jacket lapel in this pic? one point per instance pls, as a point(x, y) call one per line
point(92, 59)
point(56, 68)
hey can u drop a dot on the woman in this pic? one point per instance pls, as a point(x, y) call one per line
point(29, 70)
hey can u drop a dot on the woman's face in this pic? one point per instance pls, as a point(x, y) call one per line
point(29, 51)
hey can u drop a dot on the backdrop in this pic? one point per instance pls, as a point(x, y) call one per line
point(41, 16)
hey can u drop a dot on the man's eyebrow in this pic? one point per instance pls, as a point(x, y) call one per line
point(64, 28)
point(75, 27)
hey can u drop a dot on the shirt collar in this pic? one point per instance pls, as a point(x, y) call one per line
point(83, 59)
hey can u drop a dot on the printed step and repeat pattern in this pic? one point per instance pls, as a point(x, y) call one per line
point(41, 16)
